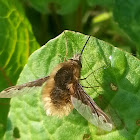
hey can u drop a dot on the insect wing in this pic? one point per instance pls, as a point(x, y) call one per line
point(26, 88)
point(89, 110)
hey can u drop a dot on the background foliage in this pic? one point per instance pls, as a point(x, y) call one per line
point(28, 24)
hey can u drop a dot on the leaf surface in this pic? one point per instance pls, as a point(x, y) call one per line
point(17, 42)
point(127, 15)
point(118, 93)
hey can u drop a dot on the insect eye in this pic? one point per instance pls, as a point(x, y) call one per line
point(79, 63)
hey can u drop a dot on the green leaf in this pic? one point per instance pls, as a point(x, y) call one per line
point(118, 93)
point(100, 2)
point(127, 15)
point(16, 44)
point(62, 7)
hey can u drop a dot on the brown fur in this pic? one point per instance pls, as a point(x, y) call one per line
point(58, 88)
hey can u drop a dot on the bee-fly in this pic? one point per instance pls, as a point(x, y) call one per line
point(62, 92)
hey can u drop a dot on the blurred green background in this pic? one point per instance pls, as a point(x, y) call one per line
point(109, 20)
point(25, 25)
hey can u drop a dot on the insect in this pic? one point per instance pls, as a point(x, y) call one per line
point(62, 92)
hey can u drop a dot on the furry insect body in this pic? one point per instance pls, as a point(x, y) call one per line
point(57, 91)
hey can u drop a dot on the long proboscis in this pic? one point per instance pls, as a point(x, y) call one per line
point(85, 45)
